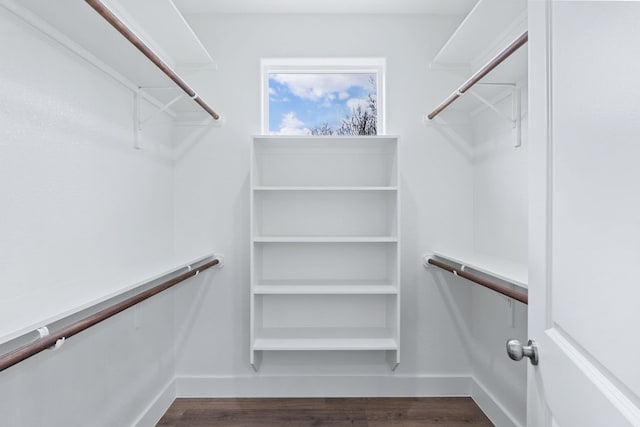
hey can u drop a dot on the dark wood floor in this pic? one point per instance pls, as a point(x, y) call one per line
point(361, 412)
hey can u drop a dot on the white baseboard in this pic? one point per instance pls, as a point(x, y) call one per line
point(323, 386)
point(498, 415)
point(327, 386)
point(158, 406)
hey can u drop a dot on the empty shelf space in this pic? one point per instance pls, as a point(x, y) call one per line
point(325, 262)
point(509, 271)
point(324, 161)
point(319, 287)
point(336, 215)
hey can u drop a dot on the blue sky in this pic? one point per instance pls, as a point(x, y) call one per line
point(300, 102)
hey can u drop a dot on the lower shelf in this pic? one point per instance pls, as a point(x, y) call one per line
point(292, 339)
point(325, 339)
point(330, 287)
point(302, 344)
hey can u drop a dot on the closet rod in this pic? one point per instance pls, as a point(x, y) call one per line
point(519, 296)
point(497, 60)
point(99, 7)
point(50, 340)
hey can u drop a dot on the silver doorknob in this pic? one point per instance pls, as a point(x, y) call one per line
point(517, 351)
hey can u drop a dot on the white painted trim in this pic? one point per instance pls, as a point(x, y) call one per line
point(491, 406)
point(323, 386)
point(342, 64)
point(157, 407)
point(326, 386)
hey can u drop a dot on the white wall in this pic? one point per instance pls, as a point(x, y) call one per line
point(83, 214)
point(500, 229)
point(96, 213)
point(212, 210)
point(500, 183)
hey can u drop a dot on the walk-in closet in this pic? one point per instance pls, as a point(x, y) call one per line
point(297, 213)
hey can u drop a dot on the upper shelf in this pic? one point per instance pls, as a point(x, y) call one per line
point(77, 26)
point(180, 47)
point(489, 26)
point(491, 41)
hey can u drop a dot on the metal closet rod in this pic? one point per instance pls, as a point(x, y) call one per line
point(99, 7)
point(497, 60)
point(54, 339)
point(518, 296)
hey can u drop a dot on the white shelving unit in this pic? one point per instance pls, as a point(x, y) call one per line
point(324, 245)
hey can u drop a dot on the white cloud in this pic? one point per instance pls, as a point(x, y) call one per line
point(355, 102)
point(272, 91)
point(343, 95)
point(290, 120)
point(319, 86)
point(291, 125)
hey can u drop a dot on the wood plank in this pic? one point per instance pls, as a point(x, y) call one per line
point(371, 412)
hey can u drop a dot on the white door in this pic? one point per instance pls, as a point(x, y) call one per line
point(584, 310)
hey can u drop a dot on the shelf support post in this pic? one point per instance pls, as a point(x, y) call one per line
point(136, 120)
point(517, 114)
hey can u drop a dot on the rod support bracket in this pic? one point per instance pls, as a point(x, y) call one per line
point(425, 259)
point(44, 332)
point(58, 344)
point(220, 258)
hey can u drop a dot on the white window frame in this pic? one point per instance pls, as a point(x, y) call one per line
point(326, 66)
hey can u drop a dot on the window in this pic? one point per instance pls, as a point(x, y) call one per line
point(323, 96)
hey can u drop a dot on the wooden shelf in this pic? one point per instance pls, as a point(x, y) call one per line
point(503, 269)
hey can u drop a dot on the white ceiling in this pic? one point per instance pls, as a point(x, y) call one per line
point(326, 6)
